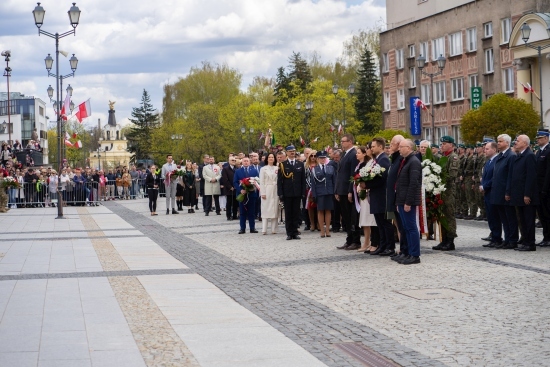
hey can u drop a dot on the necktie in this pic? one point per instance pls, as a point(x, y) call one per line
point(292, 163)
point(246, 170)
point(323, 168)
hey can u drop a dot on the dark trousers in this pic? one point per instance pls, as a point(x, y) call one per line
point(353, 231)
point(385, 228)
point(232, 206)
point(153, 194)
point(527, 218)
point(292, 215)
point(258, 208)
point(335, 218)
point(493, 219)
point(509, 221)
point(304, 214)
point(403, 237)
point(207, 202)
point(543, 211)
point(410, 229)
point(248, 211)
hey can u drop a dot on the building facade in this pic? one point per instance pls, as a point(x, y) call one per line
point(112, 148)
point(475, 39)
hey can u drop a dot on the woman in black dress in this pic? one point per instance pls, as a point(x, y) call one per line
point(152, 182)
point(190, 191)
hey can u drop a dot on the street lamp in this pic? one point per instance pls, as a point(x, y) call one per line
point(74, 17)
point(420, 63)
point(250, 131)
point(525, 34)
point(351, 92)
point(306, 112)
point(7, 74)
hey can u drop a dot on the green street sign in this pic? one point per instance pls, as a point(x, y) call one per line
point(476, 97)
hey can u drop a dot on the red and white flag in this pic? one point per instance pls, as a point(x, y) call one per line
point(340, 129)
point(68, 143)
point(84, 110)
point(66, 107)
point(418, 103)
point(67, 136)
point(315, 140)
point(527, 88)
point(302, 141)
point(332, 128)
point(75, 135)
point(78, 144)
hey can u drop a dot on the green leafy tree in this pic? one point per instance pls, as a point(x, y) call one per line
point(367, 102)
point(144, 120)
point(500, 114)
point(282, 86)
point(299, 71)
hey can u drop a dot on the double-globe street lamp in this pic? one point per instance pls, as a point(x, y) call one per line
point(421, 63)
point(351, 92)
point(7, 74)
point(525, 34)
point(250, 131)
point(307, 111)
point(74, 17)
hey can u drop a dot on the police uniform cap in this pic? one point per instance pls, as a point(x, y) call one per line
point(542, 134)
point(290, 147)
point(321, 154)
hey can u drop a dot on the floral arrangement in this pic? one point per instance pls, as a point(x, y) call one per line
point(249, 184)
point(10, 183)
point(434, 186)
point(172, 175)
point(367, 173)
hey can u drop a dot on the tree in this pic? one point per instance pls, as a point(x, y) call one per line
point(282, 85)
point(367, 104)
point(500, 114)
point(144, 120)
point(299, 71)
point(355, 47)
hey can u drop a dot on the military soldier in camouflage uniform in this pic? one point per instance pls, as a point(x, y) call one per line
point(448, 196)
point(461, 206)
point(480, 163)
point(468, 182)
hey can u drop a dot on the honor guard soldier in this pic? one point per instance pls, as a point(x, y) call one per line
point(291, 187)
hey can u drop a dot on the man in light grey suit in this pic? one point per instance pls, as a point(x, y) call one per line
point(170, 184)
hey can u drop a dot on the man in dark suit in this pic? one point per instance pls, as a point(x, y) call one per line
point(543, 185)
point(344, 192)
point(377, 194)
point(502, 167)
point(291, 187)
point(495, 225)
point(334, 162)
point(393, 172)
point(522, 192)
point(247, 208)
point(228, 173)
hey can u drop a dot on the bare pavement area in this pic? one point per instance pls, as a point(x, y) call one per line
point(113, 286)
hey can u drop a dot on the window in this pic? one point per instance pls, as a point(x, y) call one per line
point(489, 61)
point(508, 80)
point(440, 132)
point(473, 80)
point(455, 44)
point(385, 63)
point(438, 48)
point(386, 101)
point(424, 49)
point(428, 133)
point(471, 39)
point(412, 77)
point(439, 92)
point(400, 99)
point(456, 133)
point(457, 87)
point(505, 30)
point(425, 93)
point(399, 58)
point(41, 110)
point(411, 51)
point(488, 30)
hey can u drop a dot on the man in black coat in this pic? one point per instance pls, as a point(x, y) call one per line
point(232, 205)
point(377, 194)
point(396, 159)
point(344, 192)
point(522, 192)
point(334, 161)
point(543, 185)
point(291, 187)
point(493, 219)
point(503, 165)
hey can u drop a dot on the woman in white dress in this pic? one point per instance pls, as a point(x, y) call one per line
point(366, 219)
point(268, 193)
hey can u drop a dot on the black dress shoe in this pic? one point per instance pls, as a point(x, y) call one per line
point(510, 246)
point(398, 257)
point(546, 244)
point(542, 243)
point(500, 245)
point(167, 211)
point(353, 246)
point(492, 244)
point(520, 242)
point(480, 218)
point(218, 213)
point(288, 238)
point(253, 231)
point(490, 239)
point(206, 214)
point(410, 260)
point(449, 246)
point(335, 230)
point(234, 218)
point(526, 248)
point(174, 211)
point(343, 247)
point(387, 253)
point(229, 218)
point(377, 251)
point(296, 237)
point(242, 231)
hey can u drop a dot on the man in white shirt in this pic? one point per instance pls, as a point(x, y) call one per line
point(170, 184)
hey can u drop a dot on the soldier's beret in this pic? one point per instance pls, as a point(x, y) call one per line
point(435, 146)
point(447, 139)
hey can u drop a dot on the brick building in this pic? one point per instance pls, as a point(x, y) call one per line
point(477, 38)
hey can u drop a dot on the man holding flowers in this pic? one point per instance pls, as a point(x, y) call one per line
point(244, 185)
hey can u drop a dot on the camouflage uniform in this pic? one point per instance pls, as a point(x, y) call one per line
point(461, 206)
point(468, 183)
point(481, 159)
point(452, 170)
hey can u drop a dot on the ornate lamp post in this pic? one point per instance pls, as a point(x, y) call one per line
point(306, 112)
point(525, 34)
point(351, 92)
point(420, 63)
point(74, 17)
point(7, 74)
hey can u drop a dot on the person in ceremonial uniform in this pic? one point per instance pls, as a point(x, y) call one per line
point(469, 184)
point(322, 189)
point(291, 187)
point(460, 200)
point(448, 196)
point(543, 184)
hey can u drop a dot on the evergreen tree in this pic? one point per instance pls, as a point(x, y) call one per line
point(368, 89)
point(299, 71)
point(282, 86)
point(145, 120)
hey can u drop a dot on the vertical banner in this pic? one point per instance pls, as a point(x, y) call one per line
point(476, 97)
point(416, 122)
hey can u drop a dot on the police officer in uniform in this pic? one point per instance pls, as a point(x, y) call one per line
point(543, 184)
point(291, 187)
point(451, 172)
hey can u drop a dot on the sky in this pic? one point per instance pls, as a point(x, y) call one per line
point(126, 46)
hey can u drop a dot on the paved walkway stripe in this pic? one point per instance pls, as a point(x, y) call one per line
point(67, 238)
point(96, 274)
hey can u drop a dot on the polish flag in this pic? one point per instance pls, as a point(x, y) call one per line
point(340, 129)
point(418, 103)
point(75, 135)
point(527, 88)
point(84, 110)
point(66, 107)
point(78, 144)
point(68, 143)
point(67, 136)
point(332, 128)
point(302, 141)
point(315, 140)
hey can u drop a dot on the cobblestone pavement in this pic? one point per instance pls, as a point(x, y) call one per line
point(500, 318)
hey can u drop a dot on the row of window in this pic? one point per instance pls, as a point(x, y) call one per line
point(455, 44)
point(440, 88)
